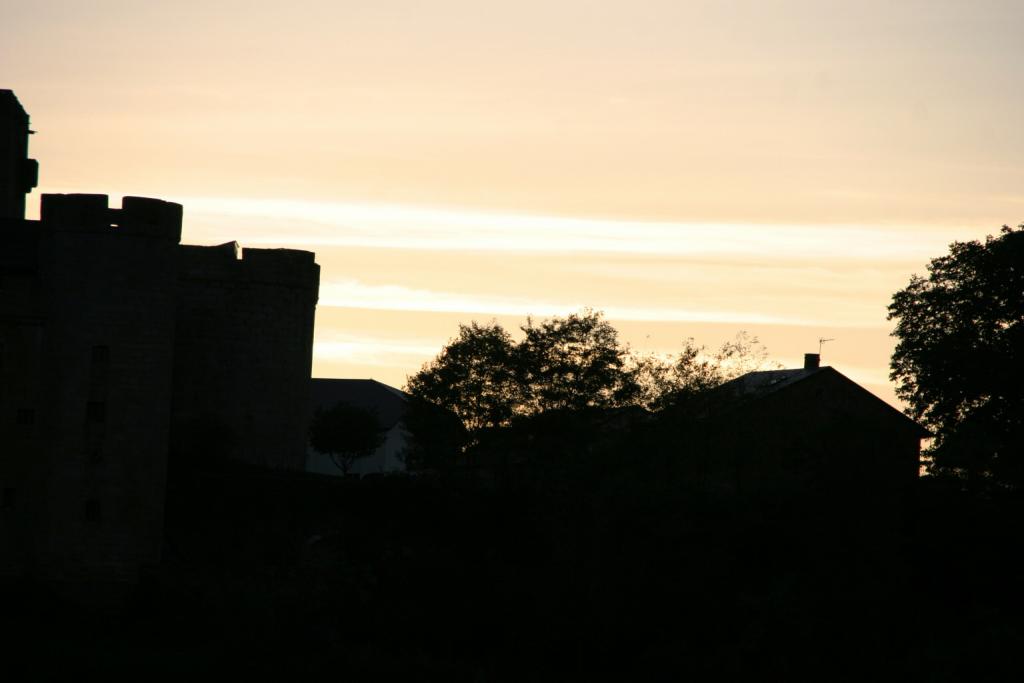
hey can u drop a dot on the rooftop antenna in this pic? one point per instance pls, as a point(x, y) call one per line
point(821, 341)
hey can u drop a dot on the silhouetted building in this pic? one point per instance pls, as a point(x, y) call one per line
point(244, 349)
point(116, 341)
point(386, 403)
point(804, 429)
point(18, 173)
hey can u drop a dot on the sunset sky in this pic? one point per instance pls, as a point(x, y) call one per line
point(691, 168)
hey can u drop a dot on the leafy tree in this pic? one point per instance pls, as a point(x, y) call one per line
point(474, 376)
point(960, 357)
point(745, 353)
point(438, 436)
point(566, 364)
point(694, 370)
point(346, 433)
point(489, 380)
point(573, 363)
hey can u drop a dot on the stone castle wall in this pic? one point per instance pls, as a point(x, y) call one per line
point(21, 365)
point(118, 348)
point(244, 352)
point(108, 348)
point(114, 340)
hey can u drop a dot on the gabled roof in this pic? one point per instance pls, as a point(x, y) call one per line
point(755, 386)
point(760, 383)
point(388, 402)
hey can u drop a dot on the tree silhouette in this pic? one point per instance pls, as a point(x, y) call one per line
point(664, 382)
point(960, 358)
point(567, 364)
point(474, 376)
point(573, 363)
point(345, 432)
point(489, 380)
point(438, 436)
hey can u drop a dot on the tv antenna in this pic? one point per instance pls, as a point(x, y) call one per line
point(821, 341)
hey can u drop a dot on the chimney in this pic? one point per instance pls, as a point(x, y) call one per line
point(812, 361)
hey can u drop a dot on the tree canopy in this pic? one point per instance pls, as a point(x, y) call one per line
point(474, 376)
point(567, 363)
point(664, 382)
point(345, 432)
point(959, 359)
point(572, 363)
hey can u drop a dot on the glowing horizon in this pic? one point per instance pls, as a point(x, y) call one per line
point(429, 228)
point(711, 264)
point(691, 168)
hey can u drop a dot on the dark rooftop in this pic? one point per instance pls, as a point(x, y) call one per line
point(760, 383)
point(757, 385)
point(388, 402)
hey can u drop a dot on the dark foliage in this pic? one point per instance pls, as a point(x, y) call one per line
point(490, 381)
point(694, 370)
point(573, 363)
point(345, 432)
point(960, 358)
point(474, 376)
point(439, 436)
point(601, 567)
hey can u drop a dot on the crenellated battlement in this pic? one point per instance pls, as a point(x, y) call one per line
point(229, 262)
point(141, 216)
point(243, 347)
point(120, 347)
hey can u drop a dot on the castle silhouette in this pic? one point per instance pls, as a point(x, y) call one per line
point(121, 348)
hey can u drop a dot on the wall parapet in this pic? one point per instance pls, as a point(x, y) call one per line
point(230, 263)
point(139, 216)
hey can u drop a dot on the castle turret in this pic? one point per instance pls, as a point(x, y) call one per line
point(107, 290)
point(18, 173)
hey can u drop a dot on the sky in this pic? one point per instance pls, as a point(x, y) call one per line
point(693, 169)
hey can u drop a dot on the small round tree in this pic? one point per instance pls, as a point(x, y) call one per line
point(346, 433)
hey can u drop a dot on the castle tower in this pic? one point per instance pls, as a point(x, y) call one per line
point(117, 342)
point(107, 292)
point(18, 173)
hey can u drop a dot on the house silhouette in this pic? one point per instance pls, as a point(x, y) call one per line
point(803, 429)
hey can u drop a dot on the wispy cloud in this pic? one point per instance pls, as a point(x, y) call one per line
point(373, 350)
point(311, 223)
point(356, 294)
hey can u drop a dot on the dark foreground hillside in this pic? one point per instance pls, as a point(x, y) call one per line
point(600, 573)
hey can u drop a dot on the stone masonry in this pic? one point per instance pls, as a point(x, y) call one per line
point(116, 344)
